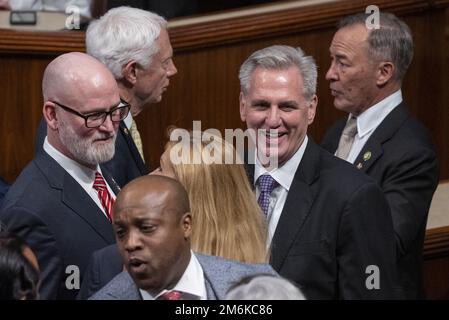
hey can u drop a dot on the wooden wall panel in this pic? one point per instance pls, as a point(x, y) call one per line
point(21, 110)
point(436, 263)
point(208, 55)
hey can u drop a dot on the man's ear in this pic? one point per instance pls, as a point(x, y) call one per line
point(187, 224)
point(242, 103)
point(311, 110)
point(49, 114)
point(129, 71)
point(385, 72)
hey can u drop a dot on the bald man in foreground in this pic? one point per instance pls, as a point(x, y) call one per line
point(153, 224)
point(61, 202)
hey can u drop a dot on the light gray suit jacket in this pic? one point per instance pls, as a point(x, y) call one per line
point(219, 275)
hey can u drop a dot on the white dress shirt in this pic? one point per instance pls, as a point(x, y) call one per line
point(369, 120)
point(284, 177)
point(191, 282)
point(128, 121)
point(83, 175)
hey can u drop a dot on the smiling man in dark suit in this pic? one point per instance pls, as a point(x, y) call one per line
point(61, 202)
point(329, 225)
point(387, 143)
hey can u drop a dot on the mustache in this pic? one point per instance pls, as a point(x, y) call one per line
point(103, 136)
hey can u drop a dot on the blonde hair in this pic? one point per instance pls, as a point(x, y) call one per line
point(227, 221)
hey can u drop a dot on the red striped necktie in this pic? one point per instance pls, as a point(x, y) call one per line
point(103, 194)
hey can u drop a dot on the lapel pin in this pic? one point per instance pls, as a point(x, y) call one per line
point(116, 184)
point(360, 165)
point(126, 131)
point(367, 156)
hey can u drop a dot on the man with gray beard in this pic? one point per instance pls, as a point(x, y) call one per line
point(62, 201)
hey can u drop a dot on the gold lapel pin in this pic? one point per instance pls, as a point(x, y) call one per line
point(367, 156)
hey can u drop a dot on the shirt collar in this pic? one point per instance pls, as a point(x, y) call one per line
point(373, 116)
point(191, 282)
point(284, 174)
point(128, 120)
point(75, 169)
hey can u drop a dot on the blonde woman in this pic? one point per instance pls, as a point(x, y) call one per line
point(227, 221)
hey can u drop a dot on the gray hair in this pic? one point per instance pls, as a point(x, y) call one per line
point(124, 34)
point(264, 287)
point(280, 58)
point(392, 42)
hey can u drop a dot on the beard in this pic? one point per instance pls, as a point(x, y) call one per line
point(86, 150)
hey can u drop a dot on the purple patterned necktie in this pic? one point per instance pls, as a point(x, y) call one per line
point(266, 186)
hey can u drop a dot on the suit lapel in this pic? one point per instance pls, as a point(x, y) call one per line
point(297, 206)
point(330, 142)
point(110, 180)
point(215, 283)
point(372, 149)
point(211, 295)
point(74, 197)
point(124, 288)
point(133, 149)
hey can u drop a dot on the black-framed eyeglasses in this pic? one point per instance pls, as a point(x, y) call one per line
point(96, 119)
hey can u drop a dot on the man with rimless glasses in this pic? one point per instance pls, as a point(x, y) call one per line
point(61, 202)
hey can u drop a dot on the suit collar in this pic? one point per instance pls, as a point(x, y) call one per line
point(216, 286)
point(371, 118)
point(124, 288)
point(74, 196)
point(297, 205)
point(110, 180)
point(126, 134)
point(372, 149)
point(332, 138)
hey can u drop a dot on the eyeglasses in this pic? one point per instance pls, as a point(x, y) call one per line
point(96, 119)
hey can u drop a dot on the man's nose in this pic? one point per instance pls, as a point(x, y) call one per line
point(273, 118)
point(172, 70)
point(133, 242)
point(108, 125)
point(331, 74)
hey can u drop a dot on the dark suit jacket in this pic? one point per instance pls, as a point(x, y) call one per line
point(334, 225)
point(104, 265)
point(4, 187)
point(59, 220)
point(126, 165)
point(404, 164)
point(219, 275)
